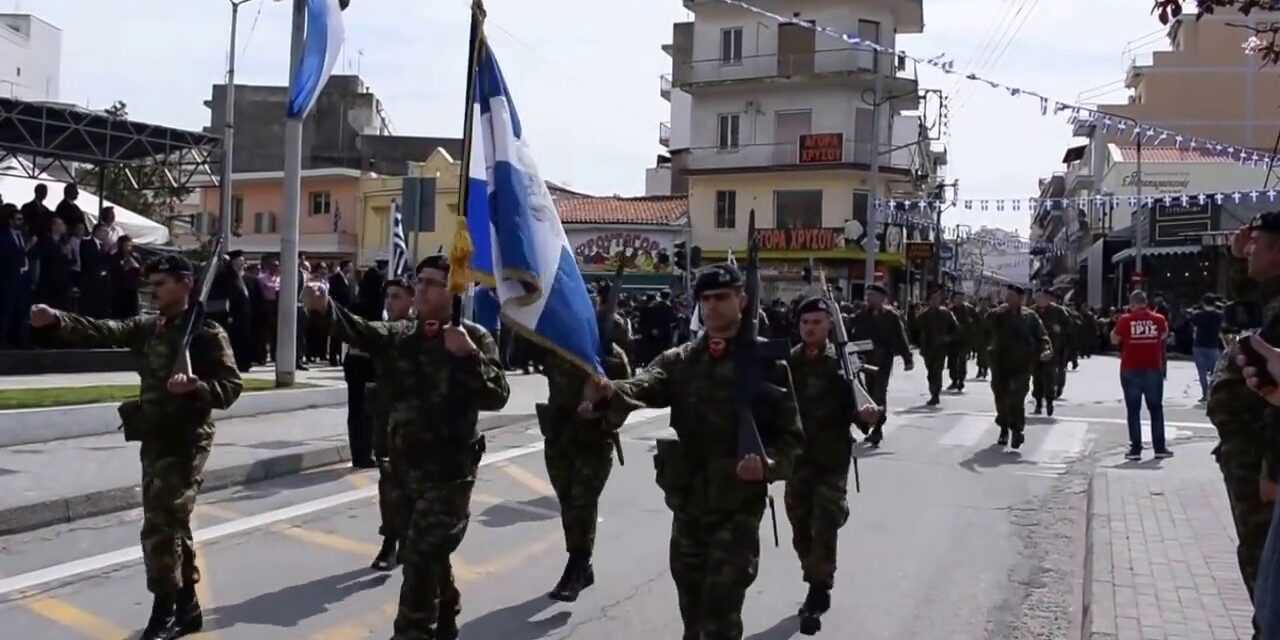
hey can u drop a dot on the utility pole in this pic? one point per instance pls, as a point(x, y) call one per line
point(1140, 230)
point(228, 131)
point(871, 246)
point(287, 300)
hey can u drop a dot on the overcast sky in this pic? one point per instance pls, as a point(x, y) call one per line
point(584, 73)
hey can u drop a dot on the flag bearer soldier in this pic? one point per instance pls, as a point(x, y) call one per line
point(171, 418)
point(958, 355)
point(717, 497)
point(883, 326)
point(939, 331)
point(399, 305)
point(816, 496)
point(438, 378)
point(1019, 344)
point(1050, 375)
point(579, 454)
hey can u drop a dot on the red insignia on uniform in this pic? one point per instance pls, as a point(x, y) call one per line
point(811, 352)
point(716, 347)
point(431, 327)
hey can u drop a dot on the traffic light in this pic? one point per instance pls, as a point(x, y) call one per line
point(681, 255)
point(664, 258)
point(695, 257)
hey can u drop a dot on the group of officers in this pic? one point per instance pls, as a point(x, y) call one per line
point(433, 378)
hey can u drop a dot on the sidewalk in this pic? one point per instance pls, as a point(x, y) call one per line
point(1162, 552)
point(320, 376)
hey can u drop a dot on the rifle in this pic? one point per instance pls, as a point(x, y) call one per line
point(609, 309)
point(748, 355)
point(194, 317)
point(851, 364)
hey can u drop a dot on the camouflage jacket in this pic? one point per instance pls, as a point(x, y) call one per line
point(178, 420)
point(1018, 339)
point(1058, 323)
point(887, 333)
point(827, 407)
point(1239, 414)
point(967, 317)
point(435, 397)
point(565, 381)
point(938, 331)
point(702, 391)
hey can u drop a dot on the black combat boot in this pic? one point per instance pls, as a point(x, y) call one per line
point(1039, 407)
point(447, 626)
point(933, 401)
point(815, 604)
point(162, 625)
point(874, 438)
point(187, 613)
point(578, 575)
point(1004, 437)
point(1048, 408)
point(1018, 439)
point(386, 559)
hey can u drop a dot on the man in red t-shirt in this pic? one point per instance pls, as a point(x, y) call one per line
point(1140, 334)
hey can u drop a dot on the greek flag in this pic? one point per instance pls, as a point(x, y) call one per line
point(516, 230)
point(320, 51)
point(399, 262)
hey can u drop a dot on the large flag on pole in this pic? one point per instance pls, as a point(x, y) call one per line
point(516, 230)
point(399, 258)
point(320, 51)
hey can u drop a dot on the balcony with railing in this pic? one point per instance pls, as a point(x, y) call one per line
point(852, 63)
point(664, 134)
point(664, 86)
point(789, 155)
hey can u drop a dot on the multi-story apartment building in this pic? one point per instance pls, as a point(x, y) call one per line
point(30, 57)
point(779, 119)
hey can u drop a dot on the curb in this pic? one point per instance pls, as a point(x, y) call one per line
point(63, 510)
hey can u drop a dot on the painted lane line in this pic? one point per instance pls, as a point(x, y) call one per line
point(31, 579)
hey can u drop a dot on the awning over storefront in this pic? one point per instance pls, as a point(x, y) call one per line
point(1128, 254)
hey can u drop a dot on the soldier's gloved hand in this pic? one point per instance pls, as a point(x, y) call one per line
point(181, 383)
point(43, 316)
point(869, 414)
point(751, 468)
point(458, 343)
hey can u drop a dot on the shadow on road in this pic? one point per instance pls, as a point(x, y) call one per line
point(288, 606)
point(289, 482)
point(783, 629)
point(505, 514)
point(517, 622)
point(1152, 464)
point(990, 458)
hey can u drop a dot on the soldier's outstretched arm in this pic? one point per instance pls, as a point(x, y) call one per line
point(650, 387)
point(220, 384)
point(481, 373)
point(102, 334)
point(365, 335)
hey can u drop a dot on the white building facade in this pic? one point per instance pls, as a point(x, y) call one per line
point(30, 58)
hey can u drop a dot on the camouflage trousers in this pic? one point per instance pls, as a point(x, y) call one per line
point(170, 482)
point(1252, 516)
point(1050, 377)
point(877, 383)
point(1010, 390)
point(958, 363)
point(391, 500)
point(714, 559)
point(817, 506)
point(934, 364)
point(579, 471)
point(983, 361)
point(436, 516)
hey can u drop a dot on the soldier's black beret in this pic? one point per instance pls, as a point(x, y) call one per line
point(878, 288)
point(1268, 222)
point(235, 253)
point(396, 282)
point(814, 304)
point(1016, 288)
point(170, 265)
point(717, 276)
point(439, 262)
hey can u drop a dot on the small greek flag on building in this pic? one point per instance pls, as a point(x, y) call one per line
point(399, 262)
point(516, 231)
point(320, 49)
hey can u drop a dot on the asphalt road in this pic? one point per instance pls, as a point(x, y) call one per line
point(950, 537)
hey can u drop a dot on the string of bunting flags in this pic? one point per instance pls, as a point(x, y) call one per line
point(894, 206)
point(1149, 135)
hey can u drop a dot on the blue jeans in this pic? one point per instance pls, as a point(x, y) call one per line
point(1206, 359)
point(1137, 385)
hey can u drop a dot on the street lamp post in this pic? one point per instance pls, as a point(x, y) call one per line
point(228, 131)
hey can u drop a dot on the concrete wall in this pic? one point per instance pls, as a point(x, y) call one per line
point(377, 194)
point(833, 111)
point(317, 234)
point(30, 58)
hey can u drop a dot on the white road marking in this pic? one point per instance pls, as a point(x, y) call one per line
point(29, 580)
point(1121, 421)
point(967, 432)
point(1063, 443)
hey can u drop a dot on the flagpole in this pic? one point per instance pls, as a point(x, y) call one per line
point(391, 239)
point(464, 172)
point(287, 300)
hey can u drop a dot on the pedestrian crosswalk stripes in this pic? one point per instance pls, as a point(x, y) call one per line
point(968, 432)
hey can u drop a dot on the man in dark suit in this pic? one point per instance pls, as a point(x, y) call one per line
point(240, 310)
point(257, 315)
point(342, 291)
point(95, 274)
point(35, 214)
point(68, 210)
point(13, 274)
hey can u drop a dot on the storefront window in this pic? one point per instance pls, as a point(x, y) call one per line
point(798, 209)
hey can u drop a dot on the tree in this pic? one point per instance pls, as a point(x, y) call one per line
point(1263, 43)
point(139, 188)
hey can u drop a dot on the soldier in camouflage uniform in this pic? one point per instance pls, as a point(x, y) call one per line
point(1050, 377)
point(579, 455)
point(958, 355)
point(717, 498)
point(982, 338)
point(1247, 451)
point(884, 327)
point(438, 377)
point(939, 331)
point(398, 303)
point(171, 418)
point(1019, 344)
point(816, 495)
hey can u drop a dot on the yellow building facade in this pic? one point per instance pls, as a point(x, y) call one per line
point(379, 194)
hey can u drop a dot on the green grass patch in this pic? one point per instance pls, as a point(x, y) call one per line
point(36, 398)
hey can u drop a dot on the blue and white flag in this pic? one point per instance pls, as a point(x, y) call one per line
point(399, 262)
point(516, 230)
point(320, 51)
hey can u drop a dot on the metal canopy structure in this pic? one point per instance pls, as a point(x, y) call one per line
point(42, 136)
